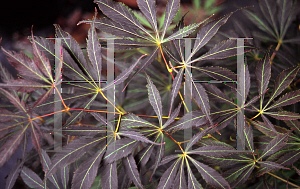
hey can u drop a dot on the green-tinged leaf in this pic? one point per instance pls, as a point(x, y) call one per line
point(13, 175)
point(137, 136)
point(196, 138)
point(131, 120)
point(101, 119)
point(268, 124)
point(181, 33)
point(171, 10)
point(24, 65)
point(210, 175)
point(271, 166)
point(124, 44)
point(172, 116)
point(261, 126)
point(214, 151)
point(282, 81)
point(42, 98)
point(72, 47)
point(215, 94)
point(148, 8)
point(167, 179)
point(109, 177)
point(192, 181)
point(115, 28)
point(94, 51)
point(283, 115)
point(82, 130)
point(207, 31)
point(87, 171)
point(254, 18)
point(284, 11)
point(71, 152)
point(31, 178)
point(268, 8)
point(180, 182)
point(123, 76)
point(287, 99)
point(132, 171)
point(175, 86)
point(143, 156)
point(145, 63)
point(191, 119)
point(201, 98)
point(238, 175)
point(118, 12)
point(223, 50)
point(275, 144)
point(11, 145)
point(119, 149)
point(155, 99)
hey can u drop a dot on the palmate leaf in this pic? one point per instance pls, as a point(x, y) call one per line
point(148, 8)
point(268, 124)
point(282, 81)
point(283, 115)
point(275, 144)
point(87, 171)
point(171, 10)
point(207, 32)
point(132, 171)
point(215, 94)
point(192, 181)
point(120, 13)
point(172, 116)
point(214, 151)
point(124, 44)
point(238, 175)
point(249, 136)
point(287, 99)
point(119, 149)
point(196, 138)
point(180, 182)
point(168, 177)
point(155, 99)
point(271, 166)
point(64, 176)
point(210, 175)
point(123, 76)
point(109, 177)
point(159, 152)
point(223, 50)
point(46, 162)
point(71, 152)
point(289, 158)
point(101, 119)
point(31, 178)
point(130, 120)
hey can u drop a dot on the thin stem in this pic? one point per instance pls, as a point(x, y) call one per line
point(276, 49)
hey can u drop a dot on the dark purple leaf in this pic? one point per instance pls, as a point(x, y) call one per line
point(82, 130)
point(172, 116)
point(268, 123)
point(46, 162)
point(271, 166)
point(175, 86)
point(210, 175)
point(155, 99)
point(284, 115)
point(238, 175)
point(171, 10)
point(130, 120)
point(249, 137)
point(137, 136)
point(196, 138)
point(192, 181)
point(275, 144)
point(180, 182)
point(31, 178)
point(289, 158)
point(118, 12)
point(297, 170)
point(119, 149)
point(101, 119)
point(287, 99)
point(109, 177)
point(13, 175)
point(159, 152)
point(125, 44)
point(132, 171)
point(71, 152)
point(214, 151)
point(148, 8)
point(207, 31)
point(167, 179)
point(11, 145)
point(215, 94)
point(87, 171)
